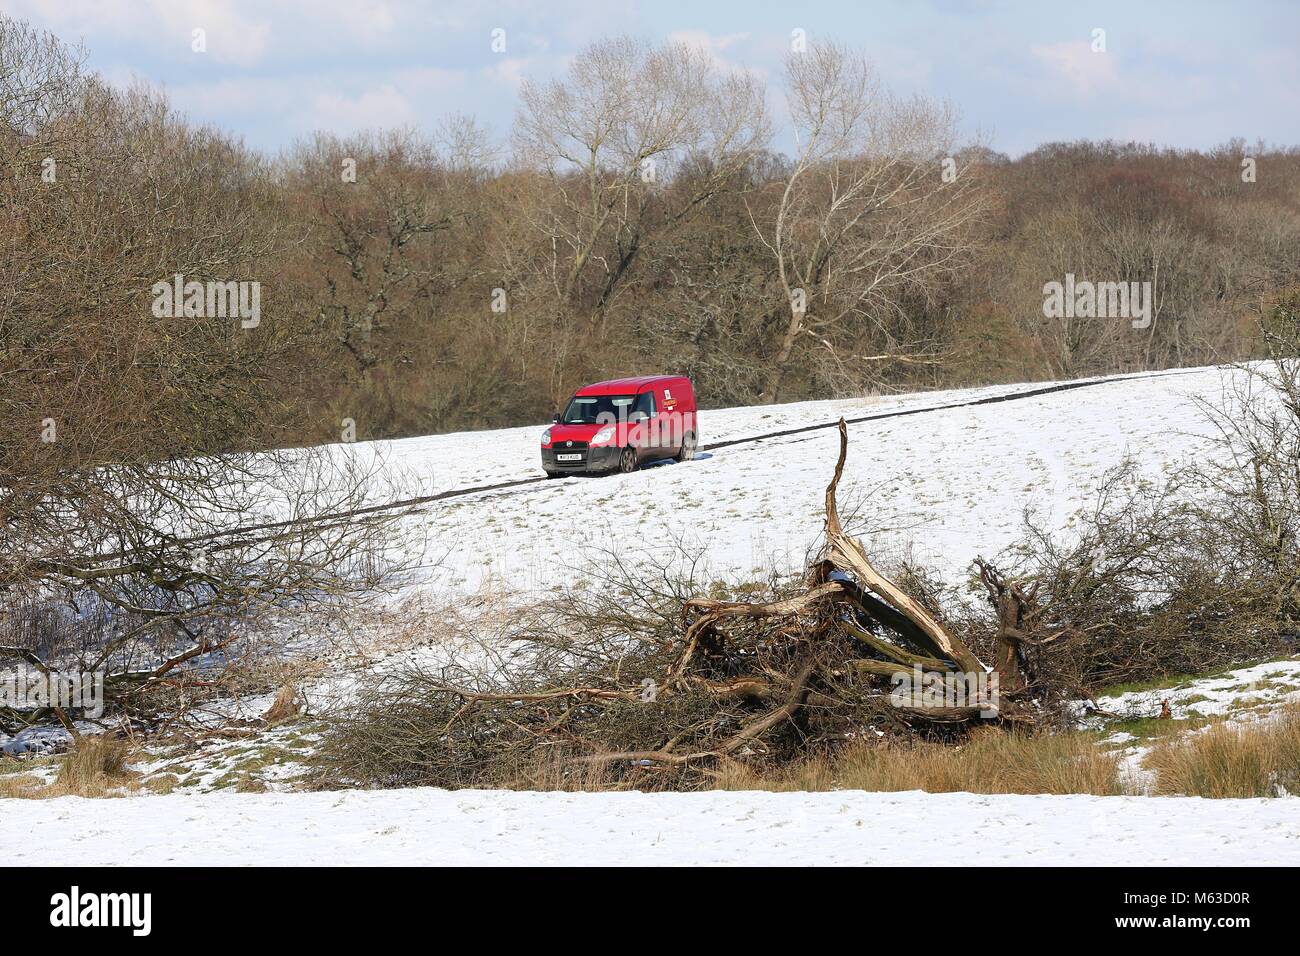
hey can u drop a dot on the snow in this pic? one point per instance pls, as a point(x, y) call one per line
point(940, 487)
point(1241, 696)
point(424, 826)
point(34, 741)
point(1259, 687)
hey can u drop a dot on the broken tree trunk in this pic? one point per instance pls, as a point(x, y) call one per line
point(846, 554)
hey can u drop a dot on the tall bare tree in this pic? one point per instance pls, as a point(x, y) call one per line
point(609, 139)
point(129, 434)
point(873, 207)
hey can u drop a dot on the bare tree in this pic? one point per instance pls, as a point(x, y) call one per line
point(129, 435)
point(865, 212)
point(382, 202)
point(611, 139)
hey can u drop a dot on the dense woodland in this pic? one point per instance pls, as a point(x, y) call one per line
point(637, 220)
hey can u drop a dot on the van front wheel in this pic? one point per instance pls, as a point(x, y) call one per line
point(687, 451)
point(627, 460)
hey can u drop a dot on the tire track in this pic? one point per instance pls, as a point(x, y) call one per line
point(417, 502)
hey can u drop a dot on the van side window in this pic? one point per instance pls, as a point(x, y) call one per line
point(645, 402)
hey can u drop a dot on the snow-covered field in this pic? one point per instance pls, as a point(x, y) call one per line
point(1238, 694)
point(412, 827)
point(942, 487)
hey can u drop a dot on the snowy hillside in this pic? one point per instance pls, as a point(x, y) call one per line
point(944, 486)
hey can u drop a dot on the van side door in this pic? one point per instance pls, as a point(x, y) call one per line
point(671, 421)
point(646, 430)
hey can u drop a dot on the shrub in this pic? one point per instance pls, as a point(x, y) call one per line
point(1257, 760)
point(990, 761)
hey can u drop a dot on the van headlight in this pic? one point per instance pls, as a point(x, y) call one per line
point(602, 436)
point(546, 437)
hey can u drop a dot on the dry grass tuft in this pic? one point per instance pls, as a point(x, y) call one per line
point(285, 707)
point(162, 784)
point(1257, 760)
point(19, 786)
point(555, 771)
point(95, 767)
point(992, 761)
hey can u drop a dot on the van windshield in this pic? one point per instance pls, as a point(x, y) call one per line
point(590, 409)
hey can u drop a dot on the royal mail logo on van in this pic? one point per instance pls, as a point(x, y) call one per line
point(669, 402)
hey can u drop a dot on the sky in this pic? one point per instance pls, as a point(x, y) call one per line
point(1186, 74)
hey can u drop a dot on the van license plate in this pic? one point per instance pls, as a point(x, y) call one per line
point(568, 458)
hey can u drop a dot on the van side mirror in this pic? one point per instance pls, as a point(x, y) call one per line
point(556, 418)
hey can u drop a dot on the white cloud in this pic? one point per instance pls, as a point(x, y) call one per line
point(713, 46)
point(383, 107)
point(509, 71)
point(236, 33)
point(233, 97)
point(1074, 65)
point(241, 33)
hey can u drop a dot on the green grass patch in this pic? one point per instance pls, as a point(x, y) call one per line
point(1154, 728)
point(1167, 682)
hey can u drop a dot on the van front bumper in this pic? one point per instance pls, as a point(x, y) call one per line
point(604, 458)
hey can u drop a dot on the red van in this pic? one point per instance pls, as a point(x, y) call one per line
point(618, 425)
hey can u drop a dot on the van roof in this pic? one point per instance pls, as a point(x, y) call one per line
point(621, 386)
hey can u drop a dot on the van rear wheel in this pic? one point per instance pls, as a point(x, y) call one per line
point(627, 460)
point(687, 451)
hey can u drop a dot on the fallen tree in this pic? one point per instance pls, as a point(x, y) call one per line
point(623, 685)
point(136, 583)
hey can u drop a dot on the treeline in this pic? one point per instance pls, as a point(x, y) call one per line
point(638, 220)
